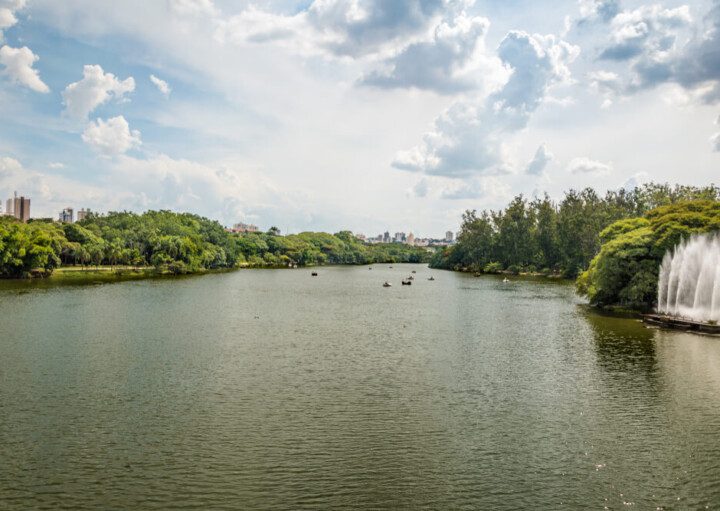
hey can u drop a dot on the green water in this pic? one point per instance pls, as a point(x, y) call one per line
point(272, 389)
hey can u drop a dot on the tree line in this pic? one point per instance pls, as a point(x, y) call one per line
point(175, 243)
point(542, 235)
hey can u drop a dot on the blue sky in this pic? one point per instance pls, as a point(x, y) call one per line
point(359, 114)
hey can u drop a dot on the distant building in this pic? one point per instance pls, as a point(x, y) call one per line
point(83, 214)
point(66, 215)
point(386, 237)
point(399, 237)
point(449, 236)
point(361, 237)
point(411, 239)
point(241, 228)
point(19, 207)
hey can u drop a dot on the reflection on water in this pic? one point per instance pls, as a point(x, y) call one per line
point(271, 389)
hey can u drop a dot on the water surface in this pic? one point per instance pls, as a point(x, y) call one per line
point(272, 389)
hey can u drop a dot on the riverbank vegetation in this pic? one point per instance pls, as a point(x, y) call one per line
point(625, 271)
point(613, 243)
point(175, 243)
point(550, 237)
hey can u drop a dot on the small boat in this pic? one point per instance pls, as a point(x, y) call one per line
point(414, 271)
point(407, 282)
point(387, 284)
point(411, 278)
point(370, 268)
point(431, 278)
point(390, 267)
point(505, 280)
point(314, 274)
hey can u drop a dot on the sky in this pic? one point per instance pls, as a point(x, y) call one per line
point(367, 115)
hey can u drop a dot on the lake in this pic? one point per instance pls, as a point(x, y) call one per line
point(272, 389)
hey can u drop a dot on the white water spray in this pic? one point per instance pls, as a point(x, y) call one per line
point(689, 283)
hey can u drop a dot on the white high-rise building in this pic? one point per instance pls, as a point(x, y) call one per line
point(66, 215)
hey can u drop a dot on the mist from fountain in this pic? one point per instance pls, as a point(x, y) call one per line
point(689, 282)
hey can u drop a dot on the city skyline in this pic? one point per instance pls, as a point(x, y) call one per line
point(67, 215)
point(316, 116)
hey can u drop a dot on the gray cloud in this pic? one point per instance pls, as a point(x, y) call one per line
point(646, 38)
point(539, 162)
point(437, 64)
point(421, 189)
point(468, 137)
point(700, 62)
point(648, 30)
point(603, 10)
point(368, 23)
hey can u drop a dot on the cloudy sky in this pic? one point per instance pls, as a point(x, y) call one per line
point(359, 114)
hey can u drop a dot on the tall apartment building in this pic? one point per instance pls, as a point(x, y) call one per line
point(449, 236)
point(82, 214)
point(19, 207)
point(66, 215)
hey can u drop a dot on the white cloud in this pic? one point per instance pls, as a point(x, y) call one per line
point(7, 18)
point(162, 85)
point(450, 62)
point(468, 138)
point(18, 64)
point(340, 28)
point(604, 10)
point(542, 157)
point(7, 14)
point(56, 165)
point(607, 84)
point(8, 167)
point(111, 137)
point(95, 88)
point(649, 29)
point(584, 165)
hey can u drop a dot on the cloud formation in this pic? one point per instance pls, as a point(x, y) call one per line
point(95, 88)
point(447, 64)
point(603, 10)
point(648, 40)
point(340, 28)
point(7, 14)
point(537, 165)
point(585, 165)
point(161, 85)
point(111, 137)
point(18, 64)
point(468, 137)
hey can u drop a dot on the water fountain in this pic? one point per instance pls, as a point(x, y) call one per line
point(689, 282)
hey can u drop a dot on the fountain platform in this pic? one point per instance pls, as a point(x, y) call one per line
point(681, 324)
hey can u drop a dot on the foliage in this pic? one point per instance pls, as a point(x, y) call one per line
point(176, 243)
point(28, 247)
point(625, 271)
point(558, 237)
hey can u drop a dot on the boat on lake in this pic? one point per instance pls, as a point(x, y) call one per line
point(387, 284)
point(406, 282)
